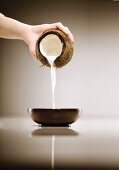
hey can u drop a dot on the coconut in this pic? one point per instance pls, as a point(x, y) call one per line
point(66, 53)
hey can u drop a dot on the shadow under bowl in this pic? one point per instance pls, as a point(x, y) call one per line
point(54, 117)
point(57, 131)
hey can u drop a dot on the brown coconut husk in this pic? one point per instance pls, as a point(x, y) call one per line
point(67, 50)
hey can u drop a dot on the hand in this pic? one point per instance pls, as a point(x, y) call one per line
point(13, 29)
point(32, 34)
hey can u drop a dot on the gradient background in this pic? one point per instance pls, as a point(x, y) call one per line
point(90, 81)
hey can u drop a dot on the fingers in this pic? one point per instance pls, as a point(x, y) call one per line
point(69, 34)
point(62, 28)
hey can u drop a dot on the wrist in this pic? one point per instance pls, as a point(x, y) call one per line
point(25, 32)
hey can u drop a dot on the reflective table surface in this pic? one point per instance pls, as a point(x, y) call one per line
point(87, 143)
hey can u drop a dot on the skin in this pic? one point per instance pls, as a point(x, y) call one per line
point(13, 29)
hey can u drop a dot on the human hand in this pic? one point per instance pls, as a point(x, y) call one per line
point(13, 29)
point(32, 33)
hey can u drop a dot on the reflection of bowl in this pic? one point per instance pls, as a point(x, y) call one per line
point(54, 117)
point(57, 131)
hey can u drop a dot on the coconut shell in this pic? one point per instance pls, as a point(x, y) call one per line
point(67, 50)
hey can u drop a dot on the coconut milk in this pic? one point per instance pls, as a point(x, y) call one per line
point(51, 48)
point(51, 60)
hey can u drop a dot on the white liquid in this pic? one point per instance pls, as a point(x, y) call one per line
point(51, 60)
point(53, 78)
point(51, 47)
point(53, 82)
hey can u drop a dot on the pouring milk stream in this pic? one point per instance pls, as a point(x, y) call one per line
point(51, 48)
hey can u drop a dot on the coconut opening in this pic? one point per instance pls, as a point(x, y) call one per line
point(51, 46)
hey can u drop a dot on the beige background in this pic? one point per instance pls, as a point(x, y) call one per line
point(90, 81)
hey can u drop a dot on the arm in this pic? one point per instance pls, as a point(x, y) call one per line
point(13, 29)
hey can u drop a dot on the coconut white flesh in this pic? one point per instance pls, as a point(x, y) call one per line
point(51, 46)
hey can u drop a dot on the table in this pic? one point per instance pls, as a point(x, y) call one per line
point(87, 143)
